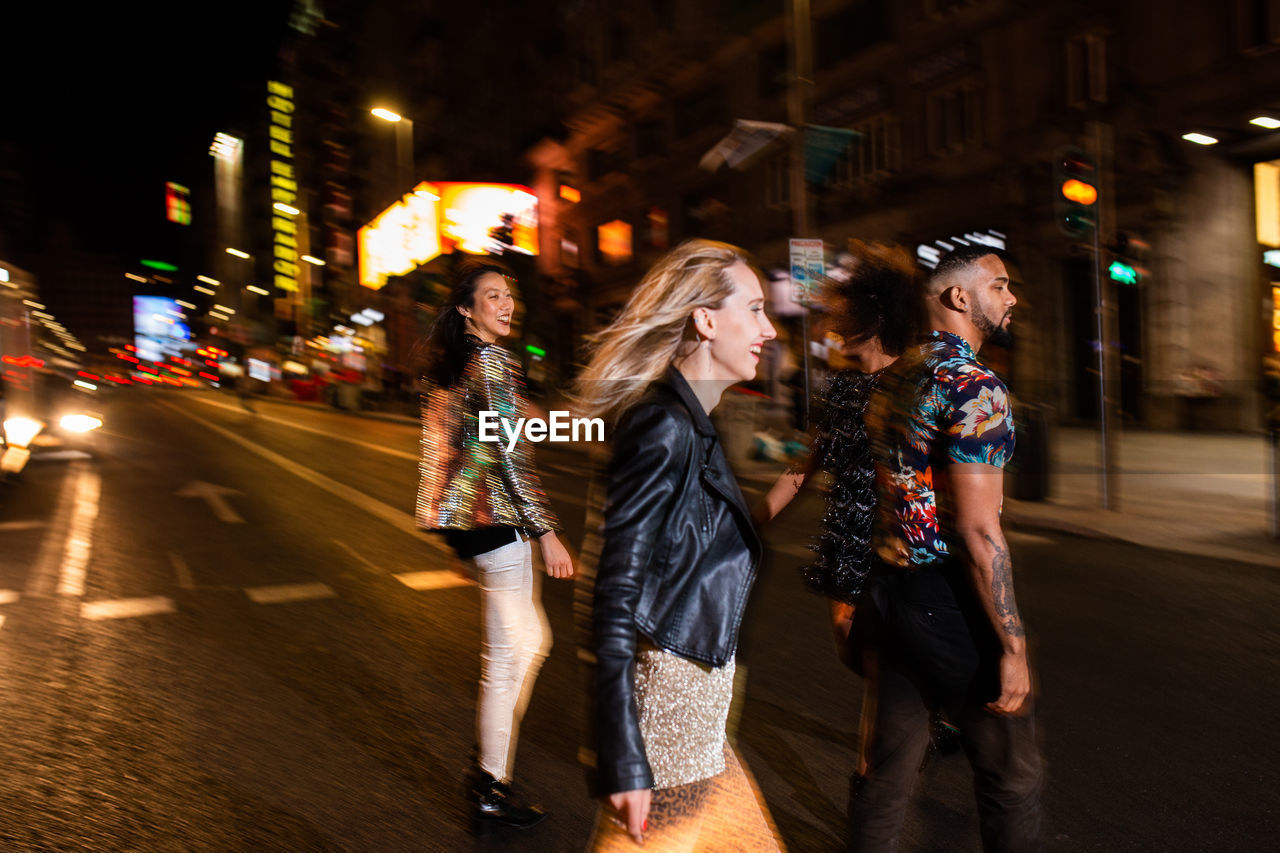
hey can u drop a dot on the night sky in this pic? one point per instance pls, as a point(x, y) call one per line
point(106, 102)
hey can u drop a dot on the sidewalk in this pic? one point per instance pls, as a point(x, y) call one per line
point(1195, 493)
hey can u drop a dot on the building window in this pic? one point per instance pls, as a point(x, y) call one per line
point(953, 118)
point(708, 109)
point(1086, 70)
point(872, 157)
point(613, 242)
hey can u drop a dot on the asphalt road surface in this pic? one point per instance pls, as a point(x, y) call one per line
point(221, 632)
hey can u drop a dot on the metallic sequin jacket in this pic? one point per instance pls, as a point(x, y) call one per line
point(467, 483)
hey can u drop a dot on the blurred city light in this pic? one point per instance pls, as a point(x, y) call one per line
point(88, 386)
point(570, 194)
point(237, 253)
point(1200, 138)
point(135, 277)
point(158, 265)
point(31, 303)
point(1266, 121)
point(427, 194)
point(285, 208)
point(385, 114)
point(186, 305)
point(312, 259)
point(20, 431)
point(210, 281)
point(80, 423)
point(253, 288)
point(207, 290)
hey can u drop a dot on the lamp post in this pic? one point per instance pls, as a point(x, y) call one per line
point(404, 147)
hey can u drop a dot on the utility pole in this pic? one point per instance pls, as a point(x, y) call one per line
point(801, 34)
point(1105, 316)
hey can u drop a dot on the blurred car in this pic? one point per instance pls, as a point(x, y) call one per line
point(46, 411)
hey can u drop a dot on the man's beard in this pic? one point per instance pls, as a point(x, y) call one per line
point(993, 333)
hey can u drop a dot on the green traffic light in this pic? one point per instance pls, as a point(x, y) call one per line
point(1123, 273)
point(538, 351)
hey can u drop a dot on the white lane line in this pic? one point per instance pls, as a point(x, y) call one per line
point(6, 526)
point(75, 560)
point(357, 556)
point(44, 575)
point(9, 596)
point(438, 579)
point(182, 570)
point(125, 608)
point(288, 592)
point(390, 451)
point(398, 519)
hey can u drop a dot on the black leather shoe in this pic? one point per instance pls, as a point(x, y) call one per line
point(494, 808)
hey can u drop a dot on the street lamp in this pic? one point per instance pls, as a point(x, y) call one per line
point(404, 145)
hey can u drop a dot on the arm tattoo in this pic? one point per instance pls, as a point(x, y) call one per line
point(1002, 589)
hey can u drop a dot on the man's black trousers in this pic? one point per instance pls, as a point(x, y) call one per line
point(936, 649)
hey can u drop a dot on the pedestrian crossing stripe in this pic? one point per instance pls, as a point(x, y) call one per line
point(289, 592)
point(438, 579)
point(123, 608)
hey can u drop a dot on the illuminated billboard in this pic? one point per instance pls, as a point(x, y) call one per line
point(159, 328)
point(440, 218)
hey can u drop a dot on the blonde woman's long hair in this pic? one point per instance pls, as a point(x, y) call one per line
point(655, 327)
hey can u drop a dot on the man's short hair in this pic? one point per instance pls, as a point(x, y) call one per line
point(956, 260)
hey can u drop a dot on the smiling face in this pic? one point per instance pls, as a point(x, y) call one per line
point(492, 306)
point(741, 328)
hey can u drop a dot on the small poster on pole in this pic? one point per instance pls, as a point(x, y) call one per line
point(807, 267)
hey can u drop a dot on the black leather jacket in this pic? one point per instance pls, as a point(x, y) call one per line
point(678, 558)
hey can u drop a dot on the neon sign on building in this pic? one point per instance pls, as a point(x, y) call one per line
point(441, 218)
point(284, 187)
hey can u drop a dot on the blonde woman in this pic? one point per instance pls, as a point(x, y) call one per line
point(677, 556)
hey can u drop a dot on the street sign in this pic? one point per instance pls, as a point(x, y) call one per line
point(808, 266)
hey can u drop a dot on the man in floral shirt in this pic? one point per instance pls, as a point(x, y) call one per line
point(946, 624)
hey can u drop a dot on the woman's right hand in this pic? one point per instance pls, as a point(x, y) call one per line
point(555, 557)
point(632, 809)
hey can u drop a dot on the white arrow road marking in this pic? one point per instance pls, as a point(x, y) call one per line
point(284, 593)
point(182, 570)
point(75, 559)
point(398, 519)
point(438, 579)
point(6, 526)
point(215, 496)
point(123, 608)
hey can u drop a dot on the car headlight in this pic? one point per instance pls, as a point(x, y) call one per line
point(80, 423)
point(20, 431)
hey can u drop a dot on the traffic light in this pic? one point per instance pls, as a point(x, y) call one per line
point(1129, 252)
point(1075, 193)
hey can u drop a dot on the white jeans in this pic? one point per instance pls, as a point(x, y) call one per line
point(515, 640)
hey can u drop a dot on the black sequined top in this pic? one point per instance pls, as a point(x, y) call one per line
point(843, 548)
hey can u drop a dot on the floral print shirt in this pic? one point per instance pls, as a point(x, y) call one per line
point(935, 406)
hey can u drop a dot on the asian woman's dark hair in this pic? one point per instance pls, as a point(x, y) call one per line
point(443, 353)
point(879, 298)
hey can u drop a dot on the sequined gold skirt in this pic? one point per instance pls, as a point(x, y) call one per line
point(683, 707)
